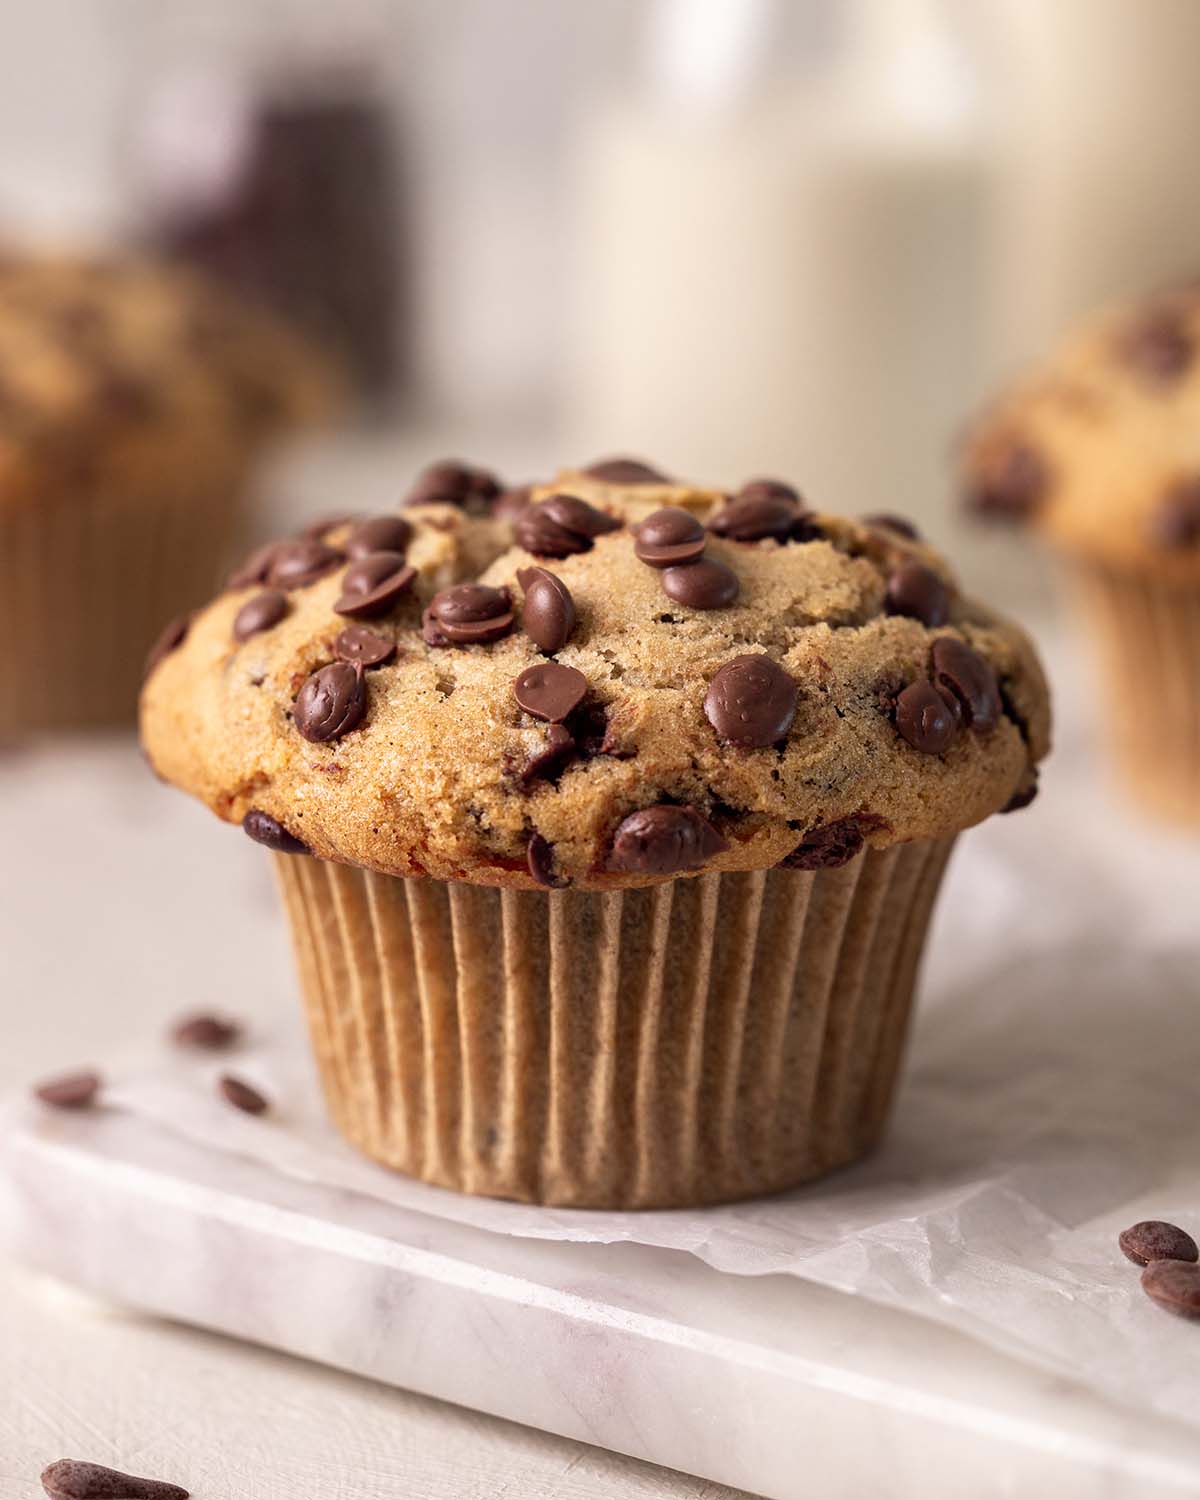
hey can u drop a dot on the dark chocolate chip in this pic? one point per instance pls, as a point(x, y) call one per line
point(547, 763)
point(918, 593)
point(170, 639)
point(926, 718)
point(769, 489)
point(1176, 523)
point(670, 535)
point(73, 1479)
point(259, 612)
point(548, 615)
point(539, 857)
point(972, 680)
point(827, 848)
point(886, 521)
point(453, 483)
point(467, 614)
point(1025, 793)
point(512, 502)
point(624, 471)
point(367, 647)
point(372, 585)
point(560, 526)
point(751, 702)
point(207, 1033)
point(70, 1090)
point(379, 534)
point(242, 1095)
point(757, 517)
point(664, 840)
point(294, 565)
point(1010, 484)
point(550, 690)
point(1173, 1285)
point(1155, 1239)
point(255, 568)
point(263, 829)
point(704, 584)
point(1159, 346)
point(331, 702)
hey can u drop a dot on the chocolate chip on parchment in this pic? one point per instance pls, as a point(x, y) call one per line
point(294, 565)
point(359, 644)
point(548, 615)
point(242, 1095)
point(926, 718)
point(550, 690)
point(915, 591)
point(668, 536)
point(1173, 1285)
point(624, 471)
point(1159, 346)
point(207, 1033)
point(539, 858)
point(561, 526)
point(827, 848)
point(452, 483)
point(546, 763)
point(751, 702)
point(1009, 484)
point(887, 521)
point(73, 1479)
point(255, 568)
point(704, 584)
point(372, 585)
point(331, 702)
point(467, 614)
point(259, 613)
point(1176, 522)
point(972, 680)
point(663, 840)
point(70, 1090)
point(378, 534)
point(263, 829)
point(1155, 1239)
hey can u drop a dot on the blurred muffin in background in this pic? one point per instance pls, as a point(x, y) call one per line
point(134, 402)
point(1098, 453)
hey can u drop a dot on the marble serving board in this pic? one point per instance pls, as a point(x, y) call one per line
point(771, 1383)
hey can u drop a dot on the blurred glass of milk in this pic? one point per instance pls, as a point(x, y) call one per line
point(781, 249)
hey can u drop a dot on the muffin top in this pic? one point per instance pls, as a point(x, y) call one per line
point(109, 368)
point(1099, 449)
point(605, 680)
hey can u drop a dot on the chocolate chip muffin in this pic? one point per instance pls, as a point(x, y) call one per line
point(608, 862)
point(133, 403)
point(1097, 453)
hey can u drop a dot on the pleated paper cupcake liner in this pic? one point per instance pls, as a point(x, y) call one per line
point(694, 1042)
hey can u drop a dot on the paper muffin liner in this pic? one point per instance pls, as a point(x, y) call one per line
point(693, 1042)
point(87, 582)
point(1147, 635)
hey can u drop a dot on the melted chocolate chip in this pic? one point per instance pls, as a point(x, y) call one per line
point(1176, 523)
point(971, 679)
point(372, 585)
point(926, 718)
point(263, 829)
point(751, 702)
point(242, 1095)
point(294, 565)
point(548, 616)
point(1159, 346)
point(467, 614)
point(704, 584)
point(917, 592)
point(379, 534)
point(331, 702)
point(827, 848)
point(367, 648)
point(254, 569)
point(668, 536)
point(1155, 1239)
point(560, 526)
point(624, 471)
point(170, 639)
point(207, 1033)
point(886, 521)
point(547, 764)
point(259, 613)
point(70, 1090)
point(73, 1479)
point(1010, 485)
point(453, 483)
point(550, 690)
point(664, 840)
point(539, 857)
point(1173, 1285)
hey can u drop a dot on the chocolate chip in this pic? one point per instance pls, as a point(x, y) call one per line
point(1174, 1286)
point(467, 614)
point(1176, 523)
point(560, 526)
point(72, 1479)
point(971, 679)
point(331, 702)
point(548, 616)
point(512, 502)
point(317, 529)
point(624, 471)
point(294, 565)
point(254, 569)
point(208, 1033)
point(366, 647)
point(379, 534)
point(170, 639)
point(1025, 793)
point(704, 584)
point(886, 521)
point(539, 857)
point(1158, 346)
point(664, 840)
point(769, 489)
point(263, 829)
point(918, 593)
point(670, 535)
point(757, 517)
point(453, 483)
point(751, 702)
point(1010, 484)
point(259, 612)
point(926, 718)
point(372, 585)
point(550, 690)
point(70, 1090)
point(1155, 1239)
point(827, 848)
point(242, 1095)
point(547, 763)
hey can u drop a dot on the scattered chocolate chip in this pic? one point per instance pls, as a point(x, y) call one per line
point(548, 616)
point(72, 1479)
point(372, 585)
point(70, 1090)
point(1176, 523)
point(242, 1095)
point(751, 702)
point(624, 471)
point(294, 565)
point(1155, 1239)
point(512, 502)
point(467, 614)
point(367, 648)
point(756, 517)
point(331, 702)
point(547, 763)
point(170, 639)
point(1025, 793)
point(560, 526)
point(972, 680)
point(263, 829)
point(1010, 484)
point(255, 568)
point(926, 718)
point(664, 840)
point(550, 690)
point(827, 848)
point(670, 535)
point(1173, 1285)
point(259, 612)
point(704, 584)
point(918, 593)
point(453, 483)
point(379, 534)
point(1158, 346)
point(886, 521)
point(539, 857)
point(208, 1033)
